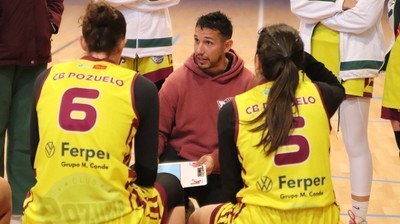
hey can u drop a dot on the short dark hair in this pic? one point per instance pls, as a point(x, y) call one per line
point(216, 21)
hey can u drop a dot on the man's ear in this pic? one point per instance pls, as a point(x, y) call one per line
point(83, 44)
point(228, 45)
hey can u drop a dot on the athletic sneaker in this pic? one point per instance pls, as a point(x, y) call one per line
point(355, 219)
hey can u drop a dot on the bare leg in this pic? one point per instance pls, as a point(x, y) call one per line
point(177, 215)
point(202, 215)
point(395, 125)
point(396, 130)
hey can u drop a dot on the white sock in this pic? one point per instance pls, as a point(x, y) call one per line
point(360, 208)
point(16, 219)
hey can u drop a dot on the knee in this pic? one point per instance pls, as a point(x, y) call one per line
point(174, 183)
point(193, 218)
point(356, 150)
point(173, 189)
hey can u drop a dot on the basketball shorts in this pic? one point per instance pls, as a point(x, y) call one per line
point(155, 68)
point(244, 214)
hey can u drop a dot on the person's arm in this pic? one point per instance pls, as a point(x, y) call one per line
point(211, 162)
point(34, 125)
point(168, 97)
point(311, 12)
point(215, 155)
point(349, 4)
point(229, 162)
point(317, 71)
point(332, 91)
point(333, 95)
point(358, 19)
point(56, 9)
point(145, 146)
point(34, 134)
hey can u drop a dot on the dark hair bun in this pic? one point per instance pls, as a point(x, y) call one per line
point(103, 27)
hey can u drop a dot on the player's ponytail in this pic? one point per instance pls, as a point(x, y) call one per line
point(280, 53)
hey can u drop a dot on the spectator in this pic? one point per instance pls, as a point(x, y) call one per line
point(391, 98)
point(149, 33)
point(26, 27)
point(347, 37)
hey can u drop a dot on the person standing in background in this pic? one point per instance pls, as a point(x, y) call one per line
point(149, 34)
point(347, 37)
point(26, 27)
point(391, 94)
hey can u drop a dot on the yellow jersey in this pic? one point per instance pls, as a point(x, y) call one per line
point(297, 175)
point(87, 120)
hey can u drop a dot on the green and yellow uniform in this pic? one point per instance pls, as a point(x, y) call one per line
point(327, 40)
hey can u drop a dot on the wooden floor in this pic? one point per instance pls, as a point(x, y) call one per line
point(247, 17)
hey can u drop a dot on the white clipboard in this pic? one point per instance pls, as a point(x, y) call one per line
point(190, 176)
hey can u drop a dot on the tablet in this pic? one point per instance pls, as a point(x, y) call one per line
point(190, 176)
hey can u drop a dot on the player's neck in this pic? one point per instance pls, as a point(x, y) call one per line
point(102, 55)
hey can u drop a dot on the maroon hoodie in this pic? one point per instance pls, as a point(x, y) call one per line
point(26, 27)
point(189, 104)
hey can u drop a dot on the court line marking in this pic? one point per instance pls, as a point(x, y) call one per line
point(373, 180)
point(377, 216)
point(176, 39)
point(386, 216)
point(260, 15)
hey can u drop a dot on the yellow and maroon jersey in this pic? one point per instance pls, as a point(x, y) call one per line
point(241, 213)
point(298, 174)
point(87, 120)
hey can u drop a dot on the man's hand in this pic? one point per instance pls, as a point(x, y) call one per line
point(208, 161)
point(349, 4)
